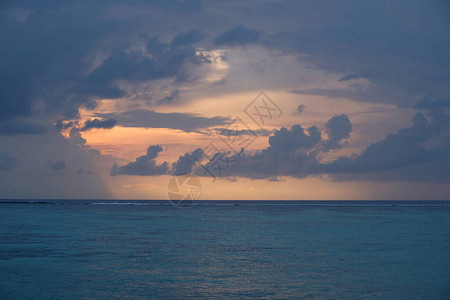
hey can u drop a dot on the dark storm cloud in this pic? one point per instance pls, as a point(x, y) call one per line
point(20, 126)
point(67, 55)
point(399, 45)
point(238, 36)
point(60, 56)
point(144, 165)
point(97, 123)
point(48, 53)
point(151, 119)
point(35, 58)
point(164, 62)
point(6, 161)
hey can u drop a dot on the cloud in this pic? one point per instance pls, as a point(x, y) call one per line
point(427, 103)
point(233, 132)
point(401, 57)
point(162, 61)
point(57, 166)
point(32, 175)
point(125, 50)
point(6, 161)
point(293, 140)
point(420, 148)
point(75, 137)
point(63, 125)
point(187, 38)
point(404, 148)
point(276, 179)
point(238, 36)
point(97, 123)
point(185, 163)
point(290, 152)
point(354, 92)
point(38, 69)
point(171, 98)
point(109, 48)
point(337, 128)
point(20, 127)
point(183, 6)
point(350, 77)
point(151, 119)
point(144, 165)
point(300, 109)
point(36, 65)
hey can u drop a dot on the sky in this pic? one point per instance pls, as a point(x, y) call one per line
point(268, 100)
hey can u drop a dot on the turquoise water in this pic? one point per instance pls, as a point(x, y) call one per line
point(258, 250)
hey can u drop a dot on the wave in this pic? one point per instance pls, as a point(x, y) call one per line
point(309, 203)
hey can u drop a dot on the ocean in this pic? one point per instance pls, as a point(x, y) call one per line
point(225, 249)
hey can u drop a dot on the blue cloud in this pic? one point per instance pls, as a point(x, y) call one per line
point(238, 36)
point(300, 109)
point(185, 163)
point(350, 77)
point(427, 103)
point(171, 98)
point(337, 128)
point(99, 124)
point(57, 166)
point(295, 152)
point(6, 161)
point(19, 127)
point(144, 165)
point(151, 119)
point(187, 38)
